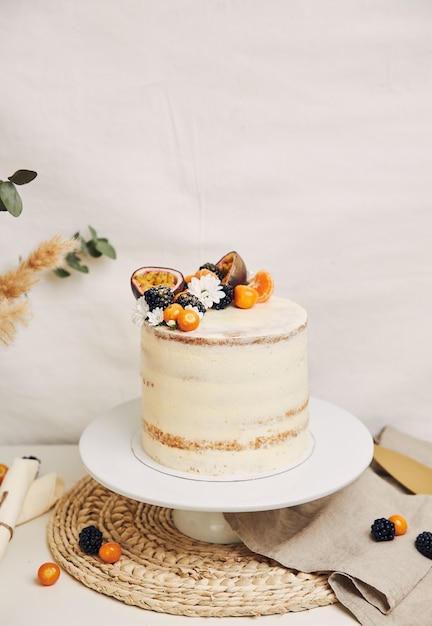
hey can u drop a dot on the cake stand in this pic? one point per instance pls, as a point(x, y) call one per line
point(341, 449)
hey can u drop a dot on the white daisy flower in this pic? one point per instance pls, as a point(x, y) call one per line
point(140, 311)
point(208, 289)
point(156, 316)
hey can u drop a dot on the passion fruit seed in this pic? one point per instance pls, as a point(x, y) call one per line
point(146, 277)
point(151, 279)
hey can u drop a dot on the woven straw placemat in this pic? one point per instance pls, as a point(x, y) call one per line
point(163, 570)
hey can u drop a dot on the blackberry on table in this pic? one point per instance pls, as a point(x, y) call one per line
point(159, 296)
point(224, 302)
point(212, 268)
point(188, 299)
point(90, 539)
point(383, 529)
point(423, 543)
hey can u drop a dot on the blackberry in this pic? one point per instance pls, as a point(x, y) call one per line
point(213, 268)
point(159, 296)
point(383, 529)
point(423, 543)
point(188, 299)
point(224, 302)
point(90, 539)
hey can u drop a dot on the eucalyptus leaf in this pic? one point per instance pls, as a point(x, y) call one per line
point(94, 247)
point(93, 233)
point(104, 247)
point(92, 250)
point(10, 198)
point(22, 177)
point(74, 262)
point(81, 268)
point(83, 244)
point(61, 273)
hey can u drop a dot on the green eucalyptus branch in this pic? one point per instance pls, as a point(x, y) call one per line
point(94, 247)
point(10, 200)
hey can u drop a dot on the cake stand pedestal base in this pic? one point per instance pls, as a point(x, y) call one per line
point(210, 526)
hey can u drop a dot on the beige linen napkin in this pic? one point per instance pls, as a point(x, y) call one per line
point(24, 497)
point(41, 496)
point(382, 584)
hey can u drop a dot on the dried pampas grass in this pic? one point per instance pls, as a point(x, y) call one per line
point(16, 283)
point(12, 313)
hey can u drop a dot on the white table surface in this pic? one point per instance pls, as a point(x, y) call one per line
point(69, 602)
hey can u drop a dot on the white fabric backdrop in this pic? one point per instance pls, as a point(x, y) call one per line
point(298, 133)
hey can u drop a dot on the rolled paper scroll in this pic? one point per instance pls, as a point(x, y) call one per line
point(13, 491)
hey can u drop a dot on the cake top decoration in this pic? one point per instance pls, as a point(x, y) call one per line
point(165, 297)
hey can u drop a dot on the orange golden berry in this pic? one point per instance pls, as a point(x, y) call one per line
point(245, 297)
point(171, 312)
point(110, 552)
point(48, 574)
point(188, 320)
point(400, 524)
point(204, 272)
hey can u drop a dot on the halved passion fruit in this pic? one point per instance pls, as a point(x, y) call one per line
point(146, 277)
point(233, 269)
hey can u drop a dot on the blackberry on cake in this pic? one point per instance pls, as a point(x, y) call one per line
point(158, 297)
point(188, 299)
point(226, 301)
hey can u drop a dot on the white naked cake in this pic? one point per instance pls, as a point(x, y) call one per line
point(229, 398)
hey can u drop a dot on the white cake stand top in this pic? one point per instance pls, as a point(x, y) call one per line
point(343, 448)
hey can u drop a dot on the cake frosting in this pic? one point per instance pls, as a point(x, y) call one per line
point(231, 397)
